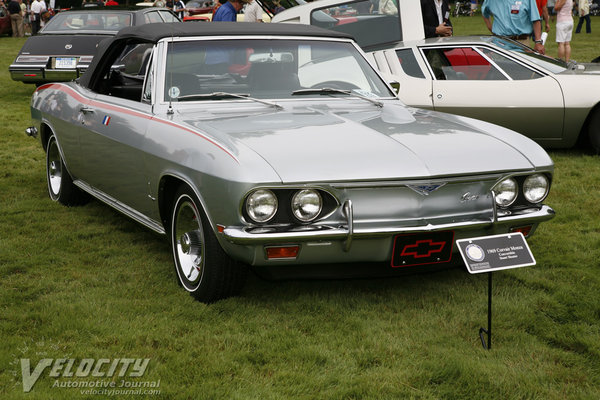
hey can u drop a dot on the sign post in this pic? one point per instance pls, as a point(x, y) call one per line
point(493, 253)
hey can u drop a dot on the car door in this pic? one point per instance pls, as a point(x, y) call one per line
point(482, 83)
point(114, 126)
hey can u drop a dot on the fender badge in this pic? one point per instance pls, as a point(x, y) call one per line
point(68, 46)
point(468, 197)
point(425, 190)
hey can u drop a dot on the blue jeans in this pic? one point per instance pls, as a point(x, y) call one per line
point(588, 28)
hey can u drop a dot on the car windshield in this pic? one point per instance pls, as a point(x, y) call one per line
point(268, 69)
point(553, 65)
point(71, 22)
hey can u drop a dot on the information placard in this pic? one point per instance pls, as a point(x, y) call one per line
point(493, 253)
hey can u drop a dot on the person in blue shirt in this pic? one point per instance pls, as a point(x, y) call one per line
point(515, 19)
point(229, 10)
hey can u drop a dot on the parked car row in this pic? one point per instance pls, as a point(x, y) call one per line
point(486, 77)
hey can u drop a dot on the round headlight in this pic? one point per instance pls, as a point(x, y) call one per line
point(535, 188)
point(306, 204)
point(261, 205)
point(506, 192)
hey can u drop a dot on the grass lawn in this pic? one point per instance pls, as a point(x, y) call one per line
point(88, 283)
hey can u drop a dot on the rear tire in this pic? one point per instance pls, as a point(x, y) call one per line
point(203, 268)
point(594, 131)
point(60, 183)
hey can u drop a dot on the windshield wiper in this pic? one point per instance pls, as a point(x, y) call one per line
point(327, 90)
point(226, 95)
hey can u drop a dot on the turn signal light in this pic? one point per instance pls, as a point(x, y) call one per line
point(282, 252)
point(525, 230)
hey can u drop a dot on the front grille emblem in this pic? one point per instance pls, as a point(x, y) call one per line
point(68, 46)
point(425, 190)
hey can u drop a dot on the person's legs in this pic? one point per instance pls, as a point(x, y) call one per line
point(588, 24)
point(13, 25)
point(561, 50)
point(579, 25)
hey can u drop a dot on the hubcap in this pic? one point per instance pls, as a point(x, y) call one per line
point(188, 246)
point(54, 169)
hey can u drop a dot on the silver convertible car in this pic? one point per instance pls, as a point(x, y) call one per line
point(278, 146)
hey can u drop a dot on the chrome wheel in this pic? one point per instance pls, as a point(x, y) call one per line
point(188, 243)
point(54, 169)
point(203, 268)
point(60, 184)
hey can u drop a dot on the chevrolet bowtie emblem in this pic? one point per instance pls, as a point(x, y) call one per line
point(425, 190)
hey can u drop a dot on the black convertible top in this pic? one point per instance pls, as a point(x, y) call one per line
point(155, 32)
point(152, 33)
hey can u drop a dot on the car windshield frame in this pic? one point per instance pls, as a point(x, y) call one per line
point(290, 64)
point(553, 65)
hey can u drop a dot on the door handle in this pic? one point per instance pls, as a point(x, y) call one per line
point(86, 110)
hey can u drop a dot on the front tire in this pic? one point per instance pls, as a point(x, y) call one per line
point(60, 183)
point(202, 267)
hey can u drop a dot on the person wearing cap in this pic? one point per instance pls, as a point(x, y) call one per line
point(229, 10)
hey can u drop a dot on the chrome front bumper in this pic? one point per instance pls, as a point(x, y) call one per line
point(498, 223)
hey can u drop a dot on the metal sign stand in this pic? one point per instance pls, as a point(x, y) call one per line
point(491, 253)
point(488, 345)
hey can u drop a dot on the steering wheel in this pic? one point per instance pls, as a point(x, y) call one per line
point(335, 85)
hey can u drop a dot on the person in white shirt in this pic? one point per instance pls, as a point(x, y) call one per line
point(253, 12)
point(37, 8)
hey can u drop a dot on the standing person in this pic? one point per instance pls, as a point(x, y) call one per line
point(16, 18)
point(229, 10)
point(436, 18)
point(564, 27)
point(179, 8)
point(514, 19)
point(253, 12)
point(584, 14)
point(25, 15)
point(542, 6)
point(473, 7)
point(37, 8)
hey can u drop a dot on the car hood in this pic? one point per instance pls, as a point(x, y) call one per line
point(365, 142)
point(74, 45)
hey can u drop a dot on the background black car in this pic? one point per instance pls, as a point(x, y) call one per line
point(65, 47)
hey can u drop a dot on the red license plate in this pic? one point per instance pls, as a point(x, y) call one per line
point(422, 248)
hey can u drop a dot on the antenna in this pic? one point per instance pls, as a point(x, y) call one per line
point(170, 77)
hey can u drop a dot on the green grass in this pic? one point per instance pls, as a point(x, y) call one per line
point(86, 282)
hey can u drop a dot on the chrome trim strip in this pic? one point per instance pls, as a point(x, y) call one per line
point(26, 66)
point(239, 235)
point(494, 207)
point(128, 211)
point(349, 213)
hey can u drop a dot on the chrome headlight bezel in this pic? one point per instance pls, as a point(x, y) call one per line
point(536, 188)
point(306, 205)
point(261, 198)
point(506, 192)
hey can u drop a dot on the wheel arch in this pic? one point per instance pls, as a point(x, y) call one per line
point(583, 140)
point(167, 188)
point(45, 133)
